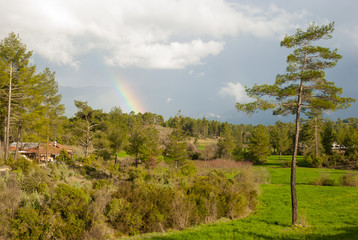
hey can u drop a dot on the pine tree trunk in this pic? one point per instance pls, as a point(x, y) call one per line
point(18, 142)
point(295, 149)
point(87, 138)
point(7, 132)
point(316, 136)
point(47, 140)
point(0, 151)
point(5, 135)
point(293, 170)
point(39, 154)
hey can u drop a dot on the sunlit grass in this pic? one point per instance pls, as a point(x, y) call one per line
point(122, 154)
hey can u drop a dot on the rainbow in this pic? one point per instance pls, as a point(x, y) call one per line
point(127, 96)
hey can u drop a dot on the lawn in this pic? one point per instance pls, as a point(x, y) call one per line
point(304, 175)
point(325, 212)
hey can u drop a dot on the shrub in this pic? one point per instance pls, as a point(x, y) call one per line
point(27, 224)
point(71, 204)
point(188, 169)
point(324, 180)
point(262, 175)
point(349, 179)
point(209, 152)
point(22, 164)
point(193, 151)
point(314, 161)
point(64, 157)
point(10, 198)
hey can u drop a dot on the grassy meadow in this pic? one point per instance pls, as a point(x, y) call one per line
point(325, 212)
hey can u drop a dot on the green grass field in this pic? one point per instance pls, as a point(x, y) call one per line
point(325, 212)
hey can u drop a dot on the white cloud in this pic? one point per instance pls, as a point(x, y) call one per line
point(235, 90)
point(140, 33)
point(172, 56)
point(214, 115)
point(196, 74)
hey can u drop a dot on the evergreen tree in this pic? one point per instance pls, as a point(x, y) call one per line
point(226, 143)
point(136, 140)
point(312, 137)
point(117, 130)
point(280, 138)
point(14, 71)
point(303, 87)
point(52, 107)
point(150, 148)
point(175, 152)
point(85, 124)
point(259, 146)
point(328, 137)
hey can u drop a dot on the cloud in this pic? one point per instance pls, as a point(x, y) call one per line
point(196, 74)
point(160, 56)
point(235, 90)
point(214, 115)
point(157, 34)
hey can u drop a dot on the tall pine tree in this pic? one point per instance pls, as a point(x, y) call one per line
point(303, 87)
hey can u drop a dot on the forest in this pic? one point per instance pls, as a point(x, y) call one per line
point(105, 175)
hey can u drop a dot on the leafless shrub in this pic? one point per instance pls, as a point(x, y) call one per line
point(262, 175)
point(10, 198)
point(181, 211)
point(349, 179)
point(209, 152)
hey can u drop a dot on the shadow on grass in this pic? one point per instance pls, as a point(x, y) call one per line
point(347, 233)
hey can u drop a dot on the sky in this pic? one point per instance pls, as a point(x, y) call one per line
point(162, 56)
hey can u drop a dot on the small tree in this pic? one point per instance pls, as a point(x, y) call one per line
point(86, 122)
point(226, 143)
point(280, 137)
point(312, 131)
point(259, 146)
point(303, 87)
point(175, 151)
point(136, 140)
point(150, 148)
point(117, 130)
point(328, 137)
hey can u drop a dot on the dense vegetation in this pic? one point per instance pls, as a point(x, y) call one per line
point(330, 212)
point(96, 201)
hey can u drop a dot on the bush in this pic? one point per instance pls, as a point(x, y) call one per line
point(22, 164)
point(64, 157)
point(324, 180)
point(27, 224)
point(209, 152)
point(314, 161)
point(349, 179)
point(189, 169)
point(193, 151)
point(71, 204)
